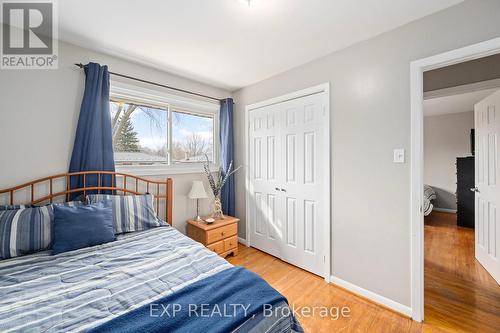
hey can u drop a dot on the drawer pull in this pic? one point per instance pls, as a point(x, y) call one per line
point(222, 233)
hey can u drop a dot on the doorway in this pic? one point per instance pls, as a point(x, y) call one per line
point(418, 68)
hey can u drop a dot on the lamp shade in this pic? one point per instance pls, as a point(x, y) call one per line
point(197, 190)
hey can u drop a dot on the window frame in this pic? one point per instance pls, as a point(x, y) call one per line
point(171, 103)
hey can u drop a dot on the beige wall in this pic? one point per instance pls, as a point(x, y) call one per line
point(370, 116)
point(39, 111)
point(446, 137)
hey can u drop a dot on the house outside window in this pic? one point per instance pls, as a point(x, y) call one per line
point(153, 131)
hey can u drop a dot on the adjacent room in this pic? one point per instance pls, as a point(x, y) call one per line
point(457, 274)
point(249, 166)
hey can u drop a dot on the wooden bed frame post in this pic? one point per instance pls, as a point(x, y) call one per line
point(170, 200)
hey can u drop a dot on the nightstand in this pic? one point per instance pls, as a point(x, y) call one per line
point(220, 236)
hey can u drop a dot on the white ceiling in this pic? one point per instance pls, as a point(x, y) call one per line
point(455, 103)
point(225, 42)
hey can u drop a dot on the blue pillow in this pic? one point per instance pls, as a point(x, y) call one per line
point(82, 226)
point(24, 231)
point(131, 212)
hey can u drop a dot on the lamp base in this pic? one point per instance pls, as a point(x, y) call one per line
point(198, 218)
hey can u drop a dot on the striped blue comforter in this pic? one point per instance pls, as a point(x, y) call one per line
point(78, 290)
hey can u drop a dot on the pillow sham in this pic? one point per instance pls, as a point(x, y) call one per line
point(11, 207)
point(130, 212)
point(24, 231)
point(82, 226)
point(27, 229)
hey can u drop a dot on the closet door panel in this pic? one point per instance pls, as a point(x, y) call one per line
point(265, 205)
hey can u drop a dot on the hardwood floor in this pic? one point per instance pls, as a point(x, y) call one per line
point(459, 296)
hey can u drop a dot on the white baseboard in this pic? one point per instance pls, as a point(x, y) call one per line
point(445, 210)
point(393, 305)
point(242, 241)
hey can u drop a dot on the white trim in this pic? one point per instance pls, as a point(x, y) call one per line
point(242, 241)
point(324, 87)
point(463, 89)
point(161, 170)
point(445, 210)
point(161, 98)
point(247, 180)
point(417, 68)
point(384, 301)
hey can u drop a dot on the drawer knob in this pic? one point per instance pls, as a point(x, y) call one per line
point(222, 233)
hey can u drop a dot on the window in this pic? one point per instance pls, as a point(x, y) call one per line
point(144, 134)
point(140, 133)
point(192, 137)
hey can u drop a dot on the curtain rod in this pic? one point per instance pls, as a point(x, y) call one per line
point(159, 85)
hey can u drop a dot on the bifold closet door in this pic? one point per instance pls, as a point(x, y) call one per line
point(287, 181)
point(265, 179)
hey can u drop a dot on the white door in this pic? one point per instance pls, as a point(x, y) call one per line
point(487, 197)
point(264, 169)
point(289, 183)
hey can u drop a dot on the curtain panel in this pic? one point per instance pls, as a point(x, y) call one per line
point(227, 155)
point(93, 147)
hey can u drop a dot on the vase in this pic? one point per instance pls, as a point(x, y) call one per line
point(217, 214)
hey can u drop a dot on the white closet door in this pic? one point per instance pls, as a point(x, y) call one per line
point(288, 186)
point(303, 170)
point(487, 226)
point(265, 177)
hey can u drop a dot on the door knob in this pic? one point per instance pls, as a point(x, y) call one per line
point(475, 189)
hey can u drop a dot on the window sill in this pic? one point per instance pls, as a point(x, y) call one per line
point(163, 170)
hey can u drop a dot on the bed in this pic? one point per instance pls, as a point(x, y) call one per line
point(125, 285)
point(429, 196)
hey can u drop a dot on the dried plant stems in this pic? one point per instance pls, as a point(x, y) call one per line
point(222, 177)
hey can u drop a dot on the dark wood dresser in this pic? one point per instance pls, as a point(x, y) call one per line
point(465, 197)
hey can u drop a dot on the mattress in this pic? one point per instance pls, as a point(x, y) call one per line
point(79, 290)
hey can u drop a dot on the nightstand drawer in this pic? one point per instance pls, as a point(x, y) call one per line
point(217, 247)
point(230, 243)
point(220, 236)
point(215, 235)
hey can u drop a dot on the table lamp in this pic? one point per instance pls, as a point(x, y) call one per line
point(197, 192)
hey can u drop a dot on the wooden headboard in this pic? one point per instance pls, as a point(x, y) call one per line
point(57, 188)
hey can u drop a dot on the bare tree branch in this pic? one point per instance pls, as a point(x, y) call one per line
point(117, 116)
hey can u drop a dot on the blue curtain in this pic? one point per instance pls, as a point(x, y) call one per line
point(227, 154)
point(93, 148)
